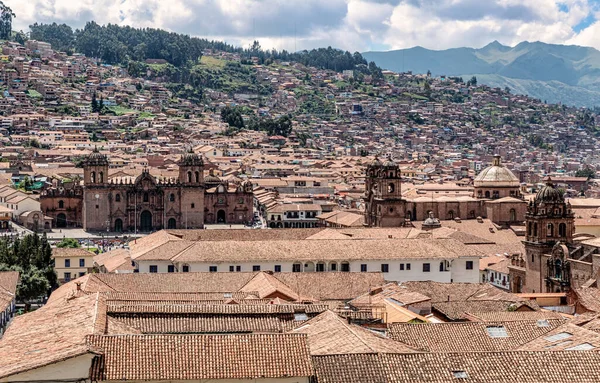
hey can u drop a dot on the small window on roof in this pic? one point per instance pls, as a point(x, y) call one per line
point(497, 331)
point(460, 374)
point(300, 317)
point(227, 295)
point(581, 347)
point(557, 337)
point(543, 323)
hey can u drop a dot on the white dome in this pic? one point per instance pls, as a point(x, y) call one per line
point(496, 176)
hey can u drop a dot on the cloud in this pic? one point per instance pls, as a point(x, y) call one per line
point(347, 24)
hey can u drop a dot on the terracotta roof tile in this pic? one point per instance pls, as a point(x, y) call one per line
point(201, 357)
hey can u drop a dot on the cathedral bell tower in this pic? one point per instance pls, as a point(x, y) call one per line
point(95, 169)
point(383, 195)
point(191, 169)
point(550, 221)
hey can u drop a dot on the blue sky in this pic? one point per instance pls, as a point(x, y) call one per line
point(356, 25)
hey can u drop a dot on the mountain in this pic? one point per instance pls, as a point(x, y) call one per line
point(556, 73)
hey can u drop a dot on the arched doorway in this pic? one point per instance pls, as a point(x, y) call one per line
point(146, 221)
point(118, 225)
point(171, 223)
point(61, 220)
point(221, 216)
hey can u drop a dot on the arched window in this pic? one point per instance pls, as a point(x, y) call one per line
point(391, 188)
point(472, 214)
point(146, 197)
point(172, 197)
point(513, 215)
point(189, 177)
point(61, 204)
point(118, 198)
point(487, 194)
point(550, 230)
point(529, 224)
point(93, 177)
point(101, 177)
point(451, 214)
point(562, 230)
point(197, 177)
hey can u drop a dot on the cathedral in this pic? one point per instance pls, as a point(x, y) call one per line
point(148, 203)
point(555, 259)
point(496, 195)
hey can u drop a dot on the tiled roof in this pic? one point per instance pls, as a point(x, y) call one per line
point(331, 286)
point(177, 297)
point(566, 337)
point(330, 334)
point(399, 294)
point(236, 251)
point(66, 252)
point(202, 308)
point(488, 367)
point(469, 336)
point(50, 334)
point(512, 316)
point(8, 288)
point(459, 310)
point(201, 357)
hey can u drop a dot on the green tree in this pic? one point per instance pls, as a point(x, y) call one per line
point(233, 117)
point(94, 105)
point(587, 172)
point(31, 256)
point(68, 243)
point(6, 16)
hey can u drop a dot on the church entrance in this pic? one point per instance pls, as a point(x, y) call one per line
point(221, 216)
point(171, 223)
point(146, 221)
point(118, 225)
point(61, 220)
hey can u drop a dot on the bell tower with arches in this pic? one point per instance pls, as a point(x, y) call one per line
point(383, 195)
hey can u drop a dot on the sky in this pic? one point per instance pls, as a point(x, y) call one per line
point(354, 25)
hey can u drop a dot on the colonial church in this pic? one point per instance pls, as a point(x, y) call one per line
point(148, 203)
point(555, 259)
point(496, 195)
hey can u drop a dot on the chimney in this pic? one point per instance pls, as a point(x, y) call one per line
point(78, 284)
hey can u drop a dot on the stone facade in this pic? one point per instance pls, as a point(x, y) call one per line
point(496, 196)
point(147, 203)
point(550, 252)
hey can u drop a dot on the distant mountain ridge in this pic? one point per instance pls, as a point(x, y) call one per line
point(557, 73)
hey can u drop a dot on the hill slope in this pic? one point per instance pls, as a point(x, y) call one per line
point(557, 73)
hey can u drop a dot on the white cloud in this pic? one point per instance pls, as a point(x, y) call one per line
point(348, 24)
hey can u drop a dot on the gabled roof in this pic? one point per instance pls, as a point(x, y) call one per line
point(469, 336)
point(201, 357)
point(329, 334)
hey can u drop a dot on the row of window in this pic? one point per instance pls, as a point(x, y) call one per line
point(67, 277)
point(320, 267)
point(81, 262)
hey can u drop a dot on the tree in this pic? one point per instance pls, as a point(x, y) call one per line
point(31, 256)
point(71, 243)
point(587, 172)
point(95, 108)
point(472, 81)
point(6, 16)
point(233, 117)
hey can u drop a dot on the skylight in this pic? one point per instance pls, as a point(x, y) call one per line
point(557, 337)
point(543, 323)
point(581, 347)
point(227, 295)
point(300, 317)
point(497, 331)
point(460, 374)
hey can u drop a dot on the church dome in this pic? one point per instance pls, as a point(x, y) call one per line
point(496, 175)
point(191, 159)
point(211, 178)
point(96, 159)
point(375, 163)
point(549, 194)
